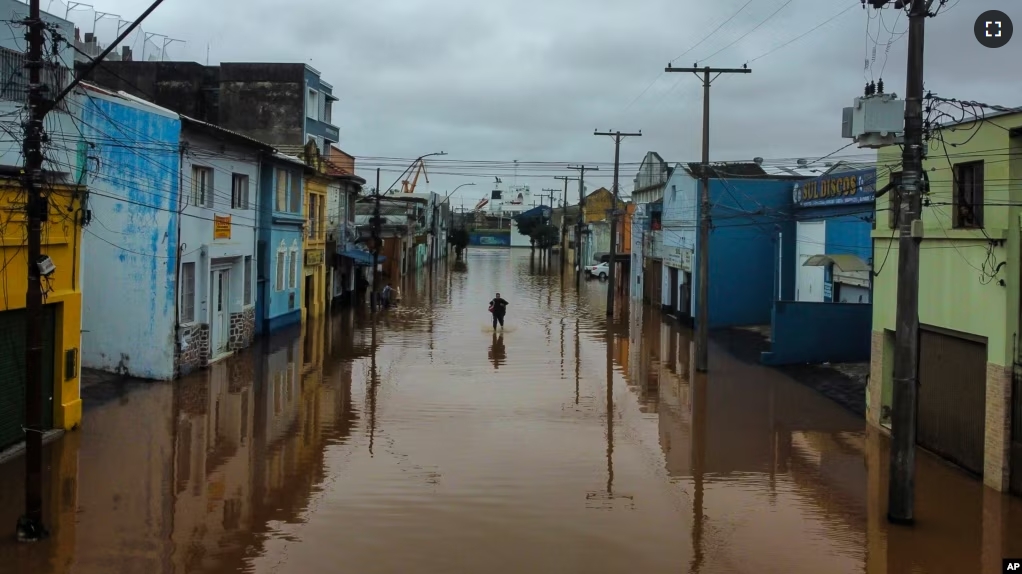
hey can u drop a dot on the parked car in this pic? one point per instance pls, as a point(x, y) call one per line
point(600, 270)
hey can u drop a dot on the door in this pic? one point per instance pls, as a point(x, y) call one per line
point(686, 294)
point(220, 316)
point(811, 239)
point(952, 398)
point(1016, 432)
point(675, 290)
point(12, 373)
point(310, 284)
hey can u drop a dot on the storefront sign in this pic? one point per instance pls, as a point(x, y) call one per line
point(672, 257)
point(686, 260)
point(845, 188)
point(314, 257)
point(221, 227)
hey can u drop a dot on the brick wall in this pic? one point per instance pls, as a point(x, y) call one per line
point(195, 352)
point(874, 387)
point(998, 427)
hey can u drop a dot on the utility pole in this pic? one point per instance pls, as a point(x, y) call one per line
point(548, 194)
point(578, 225)
point(564, 219)
point(901, 495)
point(703, 312)
point(375, 226)
point(618, 136)
point(40, 101)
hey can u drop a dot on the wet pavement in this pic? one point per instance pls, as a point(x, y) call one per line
point(566, 444)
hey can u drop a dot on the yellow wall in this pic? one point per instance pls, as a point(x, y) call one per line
point(598, 205)
point(315, 186)
point(62, 239)
point(952, 294)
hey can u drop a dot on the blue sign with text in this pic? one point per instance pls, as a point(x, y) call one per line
point(845, 188)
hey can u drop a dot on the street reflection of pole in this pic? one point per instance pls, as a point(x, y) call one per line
point(578, 356)
point(562, 347)
point(699, 413)
point(610, 412)
point(373, 383)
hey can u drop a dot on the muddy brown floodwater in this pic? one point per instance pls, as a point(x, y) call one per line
point(566, 443)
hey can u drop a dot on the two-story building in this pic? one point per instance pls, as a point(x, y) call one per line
point(61, 242)
point(346, 261)
point(970, 395)
point(172, 256)
point(280, 242)
point(647, 238)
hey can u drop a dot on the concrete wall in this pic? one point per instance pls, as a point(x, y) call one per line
point(490, 238)
point(797, 328)
point(744, 261)
point(129, 252)
point(188, 88)
point(517, 238)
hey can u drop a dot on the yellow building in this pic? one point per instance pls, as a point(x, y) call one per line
point(62, 309)
point(314, 286)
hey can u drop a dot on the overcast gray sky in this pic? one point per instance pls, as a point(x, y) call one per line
point(500, 80)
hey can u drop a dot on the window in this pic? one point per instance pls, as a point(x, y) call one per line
point(239, 191)
point(281, 190)
point(202, 186)
point(281, 261)
point(296, 192)
point(968, 200)
point(328, 117)
point(312, 105)
point(248, 279)
point(292, 275)
point(894, 201)
point(187, 292)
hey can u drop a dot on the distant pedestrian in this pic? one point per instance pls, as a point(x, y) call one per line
point(386, 296)
point(498, 308)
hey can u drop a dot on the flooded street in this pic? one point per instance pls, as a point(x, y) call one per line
point(565, 444)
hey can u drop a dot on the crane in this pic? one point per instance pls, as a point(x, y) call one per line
point(420, 167)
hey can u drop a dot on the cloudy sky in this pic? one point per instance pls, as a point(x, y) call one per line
point(530, 80)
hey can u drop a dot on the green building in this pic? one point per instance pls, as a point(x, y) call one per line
point(970, 273)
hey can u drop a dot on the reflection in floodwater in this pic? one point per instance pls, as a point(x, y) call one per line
point(415, 445)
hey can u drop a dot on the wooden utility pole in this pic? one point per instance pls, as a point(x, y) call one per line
point(578, 226)
point(901, 495)
point(612, 264)
point(564, 219)
point(703, 311)
point(374, 225)
point(40, 101)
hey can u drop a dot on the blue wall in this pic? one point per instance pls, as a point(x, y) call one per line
point(819, 332)
point(490, 239)
point(273, 307)
point(747, 216)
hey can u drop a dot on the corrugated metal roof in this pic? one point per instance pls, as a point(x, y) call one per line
point(225, 131)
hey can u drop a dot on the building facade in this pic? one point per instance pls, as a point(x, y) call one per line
point(282, 104)
point(969, 298)
point(61, 312)
point(178, 250)
point(646, 267)
point(827, 254)
point(747, 203)
point(280, 242)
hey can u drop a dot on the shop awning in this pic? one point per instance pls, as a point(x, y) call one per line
point(361, 257)
point(844, 261)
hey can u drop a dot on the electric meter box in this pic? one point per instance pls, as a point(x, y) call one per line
point(875, 121)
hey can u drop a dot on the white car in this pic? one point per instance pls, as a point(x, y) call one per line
point(600, 270)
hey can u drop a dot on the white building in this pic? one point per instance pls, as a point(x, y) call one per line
point(168, 258)
point(509, 202)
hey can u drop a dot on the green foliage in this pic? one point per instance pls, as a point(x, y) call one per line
point(528, 225)
point(545, 236)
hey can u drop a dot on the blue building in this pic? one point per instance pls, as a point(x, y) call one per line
point(280, 243)
point(826, 257)
point(749, 206)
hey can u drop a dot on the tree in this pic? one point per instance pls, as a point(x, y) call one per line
point(527, 227)
point(458, 238)
point(545, 236)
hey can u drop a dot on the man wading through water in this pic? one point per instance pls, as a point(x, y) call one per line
point(498, 307)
